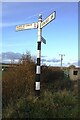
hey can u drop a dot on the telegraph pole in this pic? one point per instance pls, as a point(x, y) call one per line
point(61, 58)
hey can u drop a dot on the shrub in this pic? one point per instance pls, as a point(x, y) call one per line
point(18, 80)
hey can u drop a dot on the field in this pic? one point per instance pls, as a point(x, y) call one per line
point(58, 95)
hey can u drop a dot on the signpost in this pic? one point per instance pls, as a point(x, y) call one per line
point(38, 25)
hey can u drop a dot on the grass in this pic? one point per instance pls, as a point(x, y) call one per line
point(61, 104)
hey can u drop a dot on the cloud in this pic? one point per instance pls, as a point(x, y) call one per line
point(43, 56)
point(7, 57)
point(11, 55)
point(53, 60)
point(77, 63)
point(71, 62)
point(9, 61)
point(43, 60)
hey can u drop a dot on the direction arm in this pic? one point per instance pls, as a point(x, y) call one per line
point(26, 26)
point(48, 19)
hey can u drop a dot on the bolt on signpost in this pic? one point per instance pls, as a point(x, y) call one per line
point(38, 25)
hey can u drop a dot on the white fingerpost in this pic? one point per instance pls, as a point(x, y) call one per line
point(38, 69)
point(40, 24)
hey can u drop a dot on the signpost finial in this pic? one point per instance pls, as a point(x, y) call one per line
point(40, 16)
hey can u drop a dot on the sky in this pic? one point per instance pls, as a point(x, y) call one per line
point(61, 34)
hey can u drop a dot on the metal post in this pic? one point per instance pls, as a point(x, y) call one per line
point(38, 67)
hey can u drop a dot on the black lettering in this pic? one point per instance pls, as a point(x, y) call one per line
point(51, 16)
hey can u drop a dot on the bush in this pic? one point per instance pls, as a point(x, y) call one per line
point(18, 80)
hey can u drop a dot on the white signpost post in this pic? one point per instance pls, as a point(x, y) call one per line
point(38, 25)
